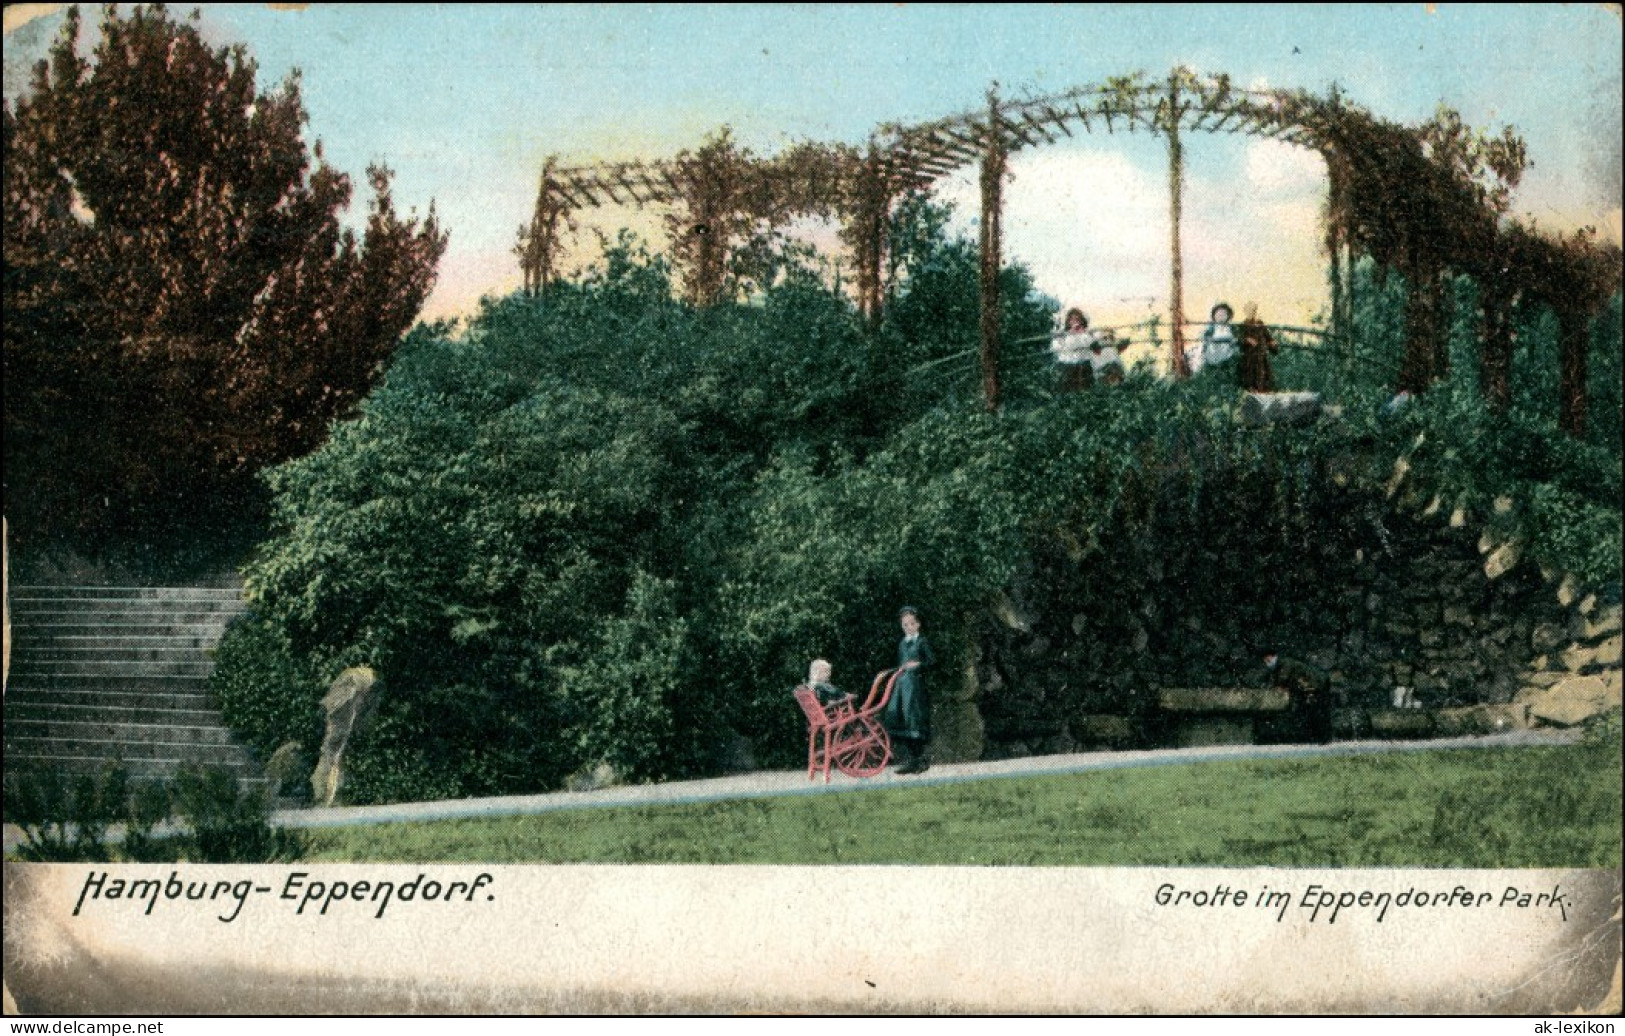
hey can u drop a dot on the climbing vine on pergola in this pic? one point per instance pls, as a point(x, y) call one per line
point(1426, 202)
point(720, 196)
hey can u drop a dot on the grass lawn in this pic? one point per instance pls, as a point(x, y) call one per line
point(1490, 807)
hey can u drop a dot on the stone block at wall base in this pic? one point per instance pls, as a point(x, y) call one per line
point(1535, 683)
point(1401, 724)
point(959, 734)
point(1480, 719)
point(1576, 700)
point(1350, 724)
point(1595, 628)
point(1206, 731)
point(1587, 660)
point(1107, 731)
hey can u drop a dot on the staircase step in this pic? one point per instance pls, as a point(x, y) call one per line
point(90, 690)
point(43, 641)
point(39, 657)
point(54, 613)
point(167, 593)
point(101, 594)
point(45, 636)
point(58, 617)
point(137, 768)
point(145, 713)
point(106, 748)
point(93, 623)
point(111, 669)
point(23, 731)
point(182, 699)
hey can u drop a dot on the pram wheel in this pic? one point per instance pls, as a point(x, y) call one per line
point(862, 748)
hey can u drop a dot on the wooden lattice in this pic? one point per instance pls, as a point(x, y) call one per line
point(1427, 201)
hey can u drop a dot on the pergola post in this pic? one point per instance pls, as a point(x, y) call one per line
point(993, 163)
point(1495, 357)
point(877, 255)
point(1339, 244)
point(1176, 180)
point(874, 206)
point(1334, 255)
point(540, 242)
point(1574, 341)
point(1420, 368)
point(1340, 332)
point(704, 219)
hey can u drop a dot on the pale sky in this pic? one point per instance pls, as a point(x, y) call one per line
point(465, 103)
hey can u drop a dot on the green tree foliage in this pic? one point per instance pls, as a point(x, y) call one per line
point(933, 310)
point(183, 305)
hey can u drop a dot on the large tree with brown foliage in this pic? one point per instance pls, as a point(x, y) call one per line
point(183, 305)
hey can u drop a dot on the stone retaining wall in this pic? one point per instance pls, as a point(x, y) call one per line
point(1066, 660)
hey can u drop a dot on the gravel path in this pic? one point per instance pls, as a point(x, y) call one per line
point(768, 784)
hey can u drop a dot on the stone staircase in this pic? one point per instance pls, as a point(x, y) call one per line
point(112, 673)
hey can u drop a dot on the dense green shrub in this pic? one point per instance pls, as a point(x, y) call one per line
point(527, 527)
point(468, 553)
point(1564, 493)
point(211, 817)
point(63, 816)
point(1605, 410)
point(1557, 494)
point(267, 694)
point(1152, 481)
point(226, 822)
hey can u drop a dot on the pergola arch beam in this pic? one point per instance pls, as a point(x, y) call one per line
point(860, 188)
point(911, 157)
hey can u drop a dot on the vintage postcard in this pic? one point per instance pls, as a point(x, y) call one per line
point(1107, 509)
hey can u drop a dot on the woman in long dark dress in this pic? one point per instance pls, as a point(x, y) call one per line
point(1257, 345)
point(908, 713)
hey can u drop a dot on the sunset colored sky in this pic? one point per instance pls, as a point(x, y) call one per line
point(465, 103)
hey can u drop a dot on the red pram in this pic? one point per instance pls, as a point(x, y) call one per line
point(854, 739)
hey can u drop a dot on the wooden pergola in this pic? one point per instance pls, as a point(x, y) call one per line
point(1182, 102)
point(857, 186)
point(713, 186)
point(860, 186)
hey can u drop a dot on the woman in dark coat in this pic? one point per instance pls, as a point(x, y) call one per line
point(1256, 346)
point(908, 713)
